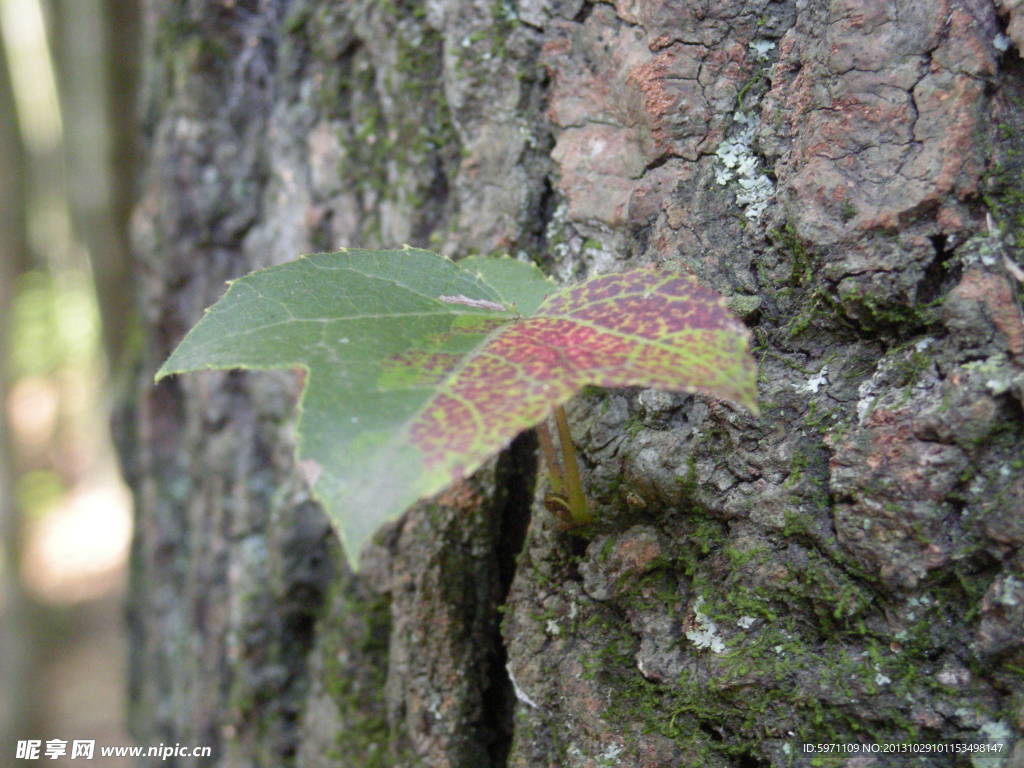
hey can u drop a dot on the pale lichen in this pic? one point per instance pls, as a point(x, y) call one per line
point(760, 49)
point(739, 165)
point(520, 693)
point(813, 384)
point(705, 633)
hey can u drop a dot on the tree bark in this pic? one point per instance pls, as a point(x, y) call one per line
point(845, 568)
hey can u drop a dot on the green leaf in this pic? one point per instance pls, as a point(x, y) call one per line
point(420, 368)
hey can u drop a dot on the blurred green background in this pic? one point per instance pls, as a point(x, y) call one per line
point(68, 72)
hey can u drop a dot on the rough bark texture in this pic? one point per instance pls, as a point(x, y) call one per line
point(846, 567)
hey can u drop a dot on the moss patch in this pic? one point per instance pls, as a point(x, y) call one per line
point(355, 636)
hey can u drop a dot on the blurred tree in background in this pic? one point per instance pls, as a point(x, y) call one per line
point(67, 70)
point(13, 645)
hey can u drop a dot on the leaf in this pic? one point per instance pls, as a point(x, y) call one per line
point(420, 368)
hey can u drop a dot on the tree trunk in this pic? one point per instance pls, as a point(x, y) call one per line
point(97, 95)
point(845, 568)
point(16, 659)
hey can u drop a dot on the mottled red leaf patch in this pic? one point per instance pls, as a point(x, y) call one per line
point(639, 328)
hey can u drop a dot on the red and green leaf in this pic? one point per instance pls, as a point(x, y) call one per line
point(420, 368)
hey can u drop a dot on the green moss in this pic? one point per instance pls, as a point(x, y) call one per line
point(789, 243)
point(835, 600)
point(703, 536)
point(795, 524)
point(397, 131)
point(640, 706)
point(359, 694)
point(824, 421)
point(804, 319)
point(418, 62)
point(1003, 185)
point(744, 306)
point(753, 82)
point(872, 313)
point(688, 482)
point(815, 620)
point(296, 19)
point(486, 43)
point(750, 697)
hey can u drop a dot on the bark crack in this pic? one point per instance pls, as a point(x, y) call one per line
point(516, 479)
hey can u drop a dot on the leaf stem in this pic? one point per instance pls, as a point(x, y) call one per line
point(551, 457)
point(571, 470)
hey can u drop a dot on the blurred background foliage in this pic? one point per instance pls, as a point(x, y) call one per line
point(67, 137)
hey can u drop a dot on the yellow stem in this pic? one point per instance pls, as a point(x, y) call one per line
point(551, 457)
point(571, 470)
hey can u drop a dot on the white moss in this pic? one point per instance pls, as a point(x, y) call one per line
point(994, 732)
point(985, 248)
point(738, 165)
point(1008, 595)
point(705, 634)
point(520, 693)
point(813, 384)
point(610, 756)
point(999, 377)
point(760, 49)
